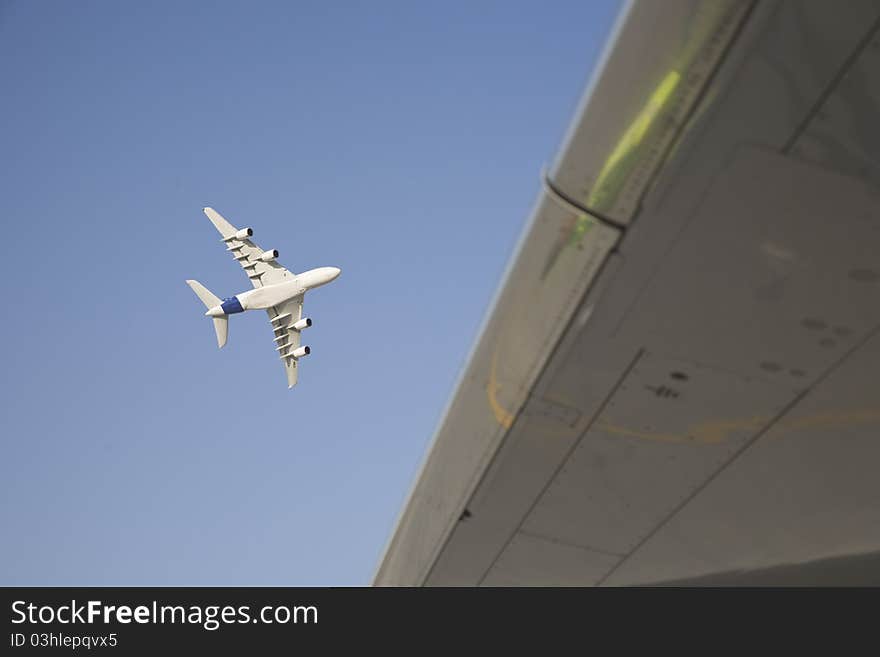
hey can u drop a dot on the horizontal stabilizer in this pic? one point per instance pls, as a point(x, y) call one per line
point(208, 298)
point(221, 326)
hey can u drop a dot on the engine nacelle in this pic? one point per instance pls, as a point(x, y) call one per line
point(301, 352)
point(269, 256)
point(244, 233)
point(304, 323)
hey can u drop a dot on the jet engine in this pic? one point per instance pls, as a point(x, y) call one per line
point(269, 256)
point(304, 323)
point(244, 233)
point(301, 352)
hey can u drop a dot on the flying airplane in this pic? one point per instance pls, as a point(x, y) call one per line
point(276, 290)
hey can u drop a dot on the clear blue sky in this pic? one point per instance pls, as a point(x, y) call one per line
point(400, 141)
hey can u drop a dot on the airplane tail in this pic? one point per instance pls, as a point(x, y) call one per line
point(221, 328)
point(221, 324)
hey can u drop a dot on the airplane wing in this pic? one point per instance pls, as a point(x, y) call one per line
point(282, 317)
point(247, 253)
point(676, 380)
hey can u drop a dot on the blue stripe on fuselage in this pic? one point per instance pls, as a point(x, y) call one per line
point(231, 306)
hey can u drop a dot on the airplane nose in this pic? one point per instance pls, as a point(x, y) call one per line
point(320, 276)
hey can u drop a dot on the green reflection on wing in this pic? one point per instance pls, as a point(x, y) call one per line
point(617, 167)
point(642, 144)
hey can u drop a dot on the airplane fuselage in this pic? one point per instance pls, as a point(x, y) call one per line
point(272, 295)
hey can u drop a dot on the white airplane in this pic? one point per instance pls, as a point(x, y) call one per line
point(276, 290)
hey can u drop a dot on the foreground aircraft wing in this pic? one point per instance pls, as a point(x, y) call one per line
point(282, 317)
point(247, 253)
point(676, 381)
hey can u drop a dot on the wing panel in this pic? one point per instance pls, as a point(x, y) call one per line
point(286, 338)
point(247, 254)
